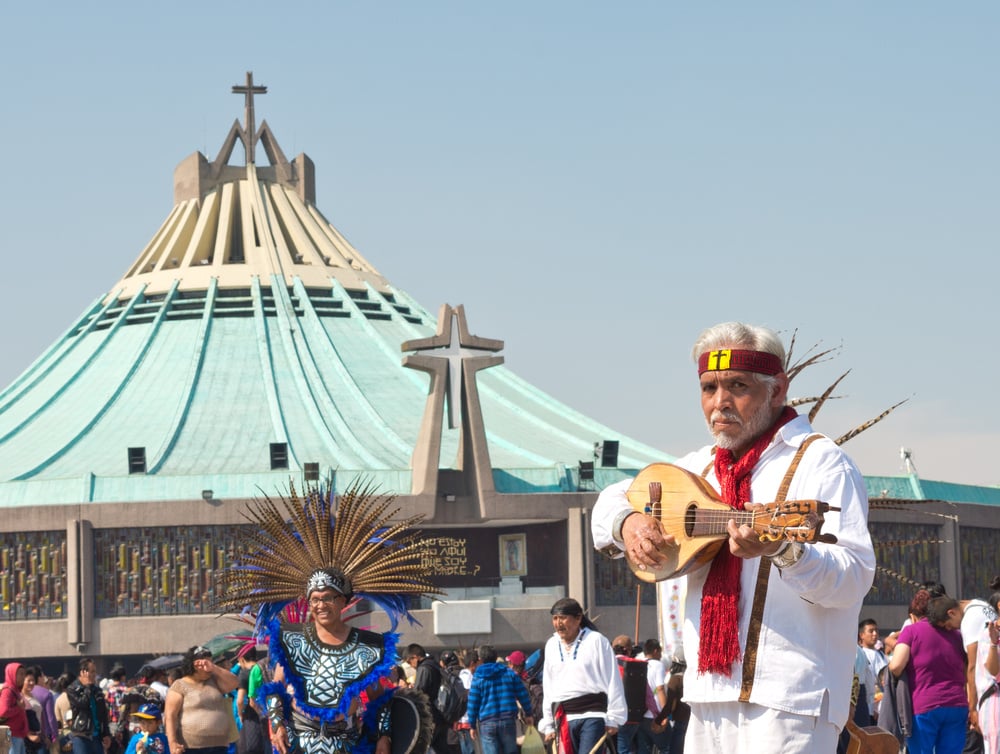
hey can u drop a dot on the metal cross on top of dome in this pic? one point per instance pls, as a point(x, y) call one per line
point(249, 134)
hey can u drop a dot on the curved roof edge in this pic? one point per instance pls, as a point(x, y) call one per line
point(902, 488)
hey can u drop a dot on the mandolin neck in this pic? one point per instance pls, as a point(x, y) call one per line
point(711, 522)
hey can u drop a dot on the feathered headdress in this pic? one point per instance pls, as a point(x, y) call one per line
point(813, 356)
point(297, 537)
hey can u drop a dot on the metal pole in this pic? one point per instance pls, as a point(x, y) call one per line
point(638, 604)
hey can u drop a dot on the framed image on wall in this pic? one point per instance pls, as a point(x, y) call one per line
point(513, 555)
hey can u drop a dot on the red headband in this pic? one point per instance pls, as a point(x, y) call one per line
point(744, 361)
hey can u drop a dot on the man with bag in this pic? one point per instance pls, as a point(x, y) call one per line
point(494, 697)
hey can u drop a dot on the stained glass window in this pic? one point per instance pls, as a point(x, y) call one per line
point(162, 570)
point(33, 575)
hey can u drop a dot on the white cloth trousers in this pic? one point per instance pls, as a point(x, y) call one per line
point(741, 728)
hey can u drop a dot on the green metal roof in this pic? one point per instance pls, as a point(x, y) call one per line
point(913, 488)
point(249, 320)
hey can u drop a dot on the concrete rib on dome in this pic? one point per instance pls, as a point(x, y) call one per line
point(250, 330)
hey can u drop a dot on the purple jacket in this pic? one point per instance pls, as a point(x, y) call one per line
point(50, 726)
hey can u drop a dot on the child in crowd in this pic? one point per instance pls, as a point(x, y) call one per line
point(152, 740)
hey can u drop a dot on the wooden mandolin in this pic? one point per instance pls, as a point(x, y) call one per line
point(688, 508)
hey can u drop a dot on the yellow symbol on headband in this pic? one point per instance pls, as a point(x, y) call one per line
point(719, 360)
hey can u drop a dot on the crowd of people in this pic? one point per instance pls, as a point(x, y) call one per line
point(74, 712)
point(204, 707)
point(580, 687)
point(190, 709)
point(578, 691)
point(933, 682)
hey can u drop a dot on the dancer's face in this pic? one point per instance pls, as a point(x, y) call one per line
point(325, 605)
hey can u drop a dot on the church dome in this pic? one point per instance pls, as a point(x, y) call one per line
point(249, 340)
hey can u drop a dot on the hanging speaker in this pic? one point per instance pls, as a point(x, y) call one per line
point(609, 453)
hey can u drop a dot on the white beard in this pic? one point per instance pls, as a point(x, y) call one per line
point(754, 427)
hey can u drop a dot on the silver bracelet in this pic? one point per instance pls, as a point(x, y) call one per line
point(788, 554)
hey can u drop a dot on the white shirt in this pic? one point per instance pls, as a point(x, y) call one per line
point(876, 661)
point(656, 676)
point(866, 677)
point(808, 637)
point(465, 675)
point(160, 688)
point(588, 666)
point(977, 614)
point(983, 678)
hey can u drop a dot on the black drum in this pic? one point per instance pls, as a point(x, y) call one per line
point(412, 725)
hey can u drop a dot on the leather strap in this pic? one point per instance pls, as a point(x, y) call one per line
point(760, 591)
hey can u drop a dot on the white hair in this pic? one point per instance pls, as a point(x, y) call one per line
point(741, 335)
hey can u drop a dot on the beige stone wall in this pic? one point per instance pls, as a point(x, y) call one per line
point(81, 632)
point(526, 626)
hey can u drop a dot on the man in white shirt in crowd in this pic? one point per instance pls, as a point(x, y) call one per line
point(978, 614)
point(877, 662)
point(583, 699)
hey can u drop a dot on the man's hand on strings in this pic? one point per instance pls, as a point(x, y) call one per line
point(744, 542)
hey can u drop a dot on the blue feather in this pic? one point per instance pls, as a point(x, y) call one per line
point(394, 605)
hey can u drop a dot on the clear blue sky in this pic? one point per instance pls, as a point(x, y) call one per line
point(596, 182)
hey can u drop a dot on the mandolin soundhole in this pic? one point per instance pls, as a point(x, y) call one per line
point(689, 519)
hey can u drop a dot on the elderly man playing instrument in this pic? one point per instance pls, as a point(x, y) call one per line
point(769, 626)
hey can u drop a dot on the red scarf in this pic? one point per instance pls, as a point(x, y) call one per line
point(719, 645)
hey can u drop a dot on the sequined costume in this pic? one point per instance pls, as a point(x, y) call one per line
point(325, 682)
point(350, 548)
